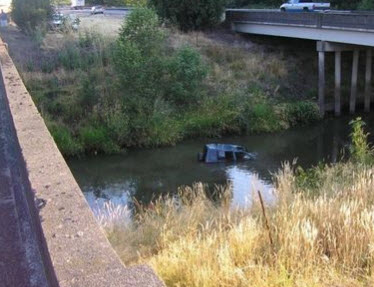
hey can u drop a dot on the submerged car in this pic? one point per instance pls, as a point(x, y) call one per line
point(223, 152)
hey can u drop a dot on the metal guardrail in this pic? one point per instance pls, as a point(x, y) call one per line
point(342, 20)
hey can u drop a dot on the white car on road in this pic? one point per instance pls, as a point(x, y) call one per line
point(303, 6)
point(97, 10)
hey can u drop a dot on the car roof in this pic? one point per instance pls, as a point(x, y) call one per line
point(224, 147)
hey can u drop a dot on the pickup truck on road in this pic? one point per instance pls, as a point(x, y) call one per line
point(303, 5)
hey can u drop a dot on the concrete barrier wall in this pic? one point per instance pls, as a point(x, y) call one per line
point(79, 252)
point(318, 20)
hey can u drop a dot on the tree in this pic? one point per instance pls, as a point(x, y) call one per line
point(366, 5)
point(190, 14)
point(31, 14)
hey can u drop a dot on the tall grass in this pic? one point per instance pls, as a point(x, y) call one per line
point(318, 240)
point(322, 234)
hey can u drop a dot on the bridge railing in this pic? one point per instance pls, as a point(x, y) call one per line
point(354, 21)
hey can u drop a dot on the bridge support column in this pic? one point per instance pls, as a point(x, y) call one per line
point(321, 82)
point(368, 75)
point(338, 75)
point(352, 100)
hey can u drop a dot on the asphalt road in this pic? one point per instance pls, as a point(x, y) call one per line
point(87, 12)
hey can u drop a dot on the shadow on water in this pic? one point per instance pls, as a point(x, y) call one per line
point(144, 174)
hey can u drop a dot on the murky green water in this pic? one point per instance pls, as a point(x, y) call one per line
point(145, 173)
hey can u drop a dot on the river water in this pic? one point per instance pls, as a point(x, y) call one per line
point(149, 172)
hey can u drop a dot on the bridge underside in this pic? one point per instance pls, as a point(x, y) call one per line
point(338, 35)
point(335, 32)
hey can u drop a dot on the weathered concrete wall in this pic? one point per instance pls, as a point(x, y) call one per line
point(79, 251)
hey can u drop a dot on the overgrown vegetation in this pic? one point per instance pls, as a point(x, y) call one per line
point(31, 16)
point(190, 14)
point(318, 232)
point(153, 87)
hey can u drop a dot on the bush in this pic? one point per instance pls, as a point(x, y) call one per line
point(187, 72)
point(190, 14)
point(301, 113)
point(366, 5)
point(64, 140)
point(360, 150)
point(254, 3)
point(31, 15)
point(96, 140)
point(214, 117)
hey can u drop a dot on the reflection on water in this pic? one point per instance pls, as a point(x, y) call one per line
point(144, 174)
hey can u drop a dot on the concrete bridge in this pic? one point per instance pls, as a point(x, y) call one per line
point(48, 234)
point(335, 32)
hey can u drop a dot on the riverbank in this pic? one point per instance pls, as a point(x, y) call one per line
point(319, 231)
point(206, 84)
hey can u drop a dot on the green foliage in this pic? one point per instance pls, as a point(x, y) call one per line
point(30, 15)
point(187, 72)
point(301, 113)
point(88, 94)
point(262, 118)
point(346, 4)
point(360, 150)
point(141, 27)
point(366, 5)
point(214, 117)
point(90, 50)
point(154, 83)
point(310, 179)
point(95, 139)
point(190, 14)
point(254, 3)
point(140, 91)
point(64, 139)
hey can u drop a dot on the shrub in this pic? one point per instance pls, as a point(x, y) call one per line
point(214, 117)
point(64, 140)
point(30, 15)
point(141, 27)
point(360, 149)
point(96, 140)
point(301, 113)
point(139, 56)
point(187, 72)
point(346, 4)
point(88, 95)
point(366, 5)
point(252, 3)
point(190, 14)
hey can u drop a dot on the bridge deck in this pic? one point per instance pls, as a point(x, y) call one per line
point(349, 28)
point(338, 20)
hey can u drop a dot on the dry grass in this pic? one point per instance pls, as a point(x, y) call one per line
point(324, 239)
point(102, 24)
point(237, 64)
